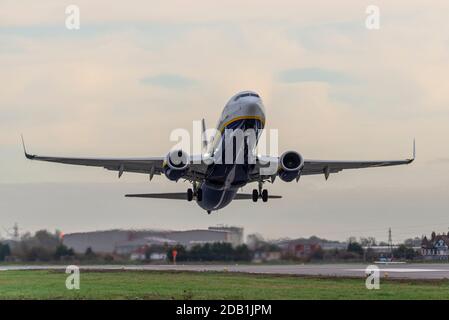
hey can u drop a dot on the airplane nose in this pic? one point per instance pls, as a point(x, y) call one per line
point(252, 109)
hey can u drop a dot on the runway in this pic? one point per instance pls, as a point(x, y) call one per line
point(404, 271)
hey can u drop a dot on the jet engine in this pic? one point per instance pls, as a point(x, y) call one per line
point(176, 164)
point(290, 166)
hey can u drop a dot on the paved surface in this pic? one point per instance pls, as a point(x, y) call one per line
point(410, 271)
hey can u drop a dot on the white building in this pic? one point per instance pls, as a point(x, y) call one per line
point(435, 248)
point(128, 241)
point(234, 234)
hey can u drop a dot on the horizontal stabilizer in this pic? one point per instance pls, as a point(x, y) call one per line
point(183, 196)
point(172, 196)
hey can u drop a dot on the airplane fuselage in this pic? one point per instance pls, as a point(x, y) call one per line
point(243, 113)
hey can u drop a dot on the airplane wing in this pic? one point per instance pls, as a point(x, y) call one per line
point(334, 166)
point(326, 167)
point(151, 166)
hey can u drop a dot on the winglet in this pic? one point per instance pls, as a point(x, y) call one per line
point(414, 152)
point(27, 155)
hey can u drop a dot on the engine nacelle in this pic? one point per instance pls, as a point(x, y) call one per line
point(290, 166)
point(176, 164)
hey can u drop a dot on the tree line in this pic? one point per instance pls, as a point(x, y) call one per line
point(47, 246)
point(218, 251)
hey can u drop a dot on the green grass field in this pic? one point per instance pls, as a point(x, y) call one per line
point(208, 285)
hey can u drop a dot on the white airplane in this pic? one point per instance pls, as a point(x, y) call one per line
point(215, 181)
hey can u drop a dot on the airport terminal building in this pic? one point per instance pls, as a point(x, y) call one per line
point(129, 241)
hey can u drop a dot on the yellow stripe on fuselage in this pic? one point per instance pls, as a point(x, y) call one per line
point(227, 123)
point(219, 133)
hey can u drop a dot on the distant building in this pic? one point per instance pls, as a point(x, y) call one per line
point(261, 256)
point(235, 234)
point(382, 250)
point(189, 238)
point(132, 242)
point(139, 246)
point(334, 245)
point(108, 241)
point(436, 248)
point(303, 250)
point(298, 248)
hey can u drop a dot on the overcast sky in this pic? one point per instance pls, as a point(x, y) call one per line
point(138, 69)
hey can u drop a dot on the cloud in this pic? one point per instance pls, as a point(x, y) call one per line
point(313, 75)
point(439, 161)
point(169, 81)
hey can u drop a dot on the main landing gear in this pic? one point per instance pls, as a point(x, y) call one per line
point(261, 193)
point(196, 193)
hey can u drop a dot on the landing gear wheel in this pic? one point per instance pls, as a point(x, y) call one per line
point(189, 194)
point(199, 195)
point(264, 195)
point(255, 195)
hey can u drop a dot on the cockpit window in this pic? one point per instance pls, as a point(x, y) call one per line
point(247, 95)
